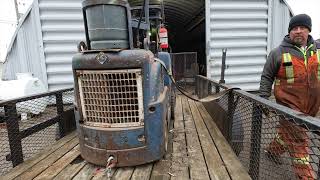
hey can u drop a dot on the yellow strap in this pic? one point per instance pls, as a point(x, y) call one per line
point(302, 160)
point(318, 57)
point(279, 140)
point(289, 69)
point(277, 82)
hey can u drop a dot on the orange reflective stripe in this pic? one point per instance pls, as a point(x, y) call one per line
point(302, 160)
point(280, 141)
point(289, 69)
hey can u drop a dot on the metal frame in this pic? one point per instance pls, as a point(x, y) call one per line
point(138, 72)
point(15, 135)
point(184, 75)
point(205, 87)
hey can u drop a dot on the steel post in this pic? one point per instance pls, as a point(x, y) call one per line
point(16, 155)
point(59, 103)
point(255, 141)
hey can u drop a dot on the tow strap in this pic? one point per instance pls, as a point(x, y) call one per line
point(209, 98)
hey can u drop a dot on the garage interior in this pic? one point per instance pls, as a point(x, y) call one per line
point(185, 21)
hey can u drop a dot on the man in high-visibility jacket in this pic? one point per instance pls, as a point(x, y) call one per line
point(294, 66)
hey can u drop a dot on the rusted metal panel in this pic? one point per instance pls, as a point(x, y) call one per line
point(128, 145)
point(112, 139)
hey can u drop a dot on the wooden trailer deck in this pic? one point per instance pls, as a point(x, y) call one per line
point(197, 150)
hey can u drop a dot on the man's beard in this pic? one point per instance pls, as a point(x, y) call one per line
point(298, 40)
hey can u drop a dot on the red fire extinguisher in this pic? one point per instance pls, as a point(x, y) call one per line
point(163, 35)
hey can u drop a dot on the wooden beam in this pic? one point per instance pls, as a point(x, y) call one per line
point(46, 162)
point(103, 174)
point(216, 166)
point(71, 170)
point(179, 162)
point(142, 172)
point(234, 167)
point(197, 165)
point(59, 165)
point(87, 172)
point(123, 173)
point(15, 172)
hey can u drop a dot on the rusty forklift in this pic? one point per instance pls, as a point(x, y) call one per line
point(123, 96)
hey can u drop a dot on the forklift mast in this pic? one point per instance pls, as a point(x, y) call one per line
point(123, 98)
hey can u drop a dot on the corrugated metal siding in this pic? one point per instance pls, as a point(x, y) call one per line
point(239, 25)
point(24, 55)
point(244, 28)
point(280, 15)
point(62, 29)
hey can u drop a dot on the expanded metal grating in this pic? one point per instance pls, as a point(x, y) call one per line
point(270, 140)
point(30, 124)
point(111, 98)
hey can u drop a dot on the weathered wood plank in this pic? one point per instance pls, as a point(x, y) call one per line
point(123, 173)
point(142, 172)
point(178, 115)
point(161, 169)
point(43, 154)
point(103, 174)
point(45, 163)
point(197, 165)
point(234, 167)
point(87, 172)
point(59, 165)
point(72, 169)
point(216, 167)
point(179, 154)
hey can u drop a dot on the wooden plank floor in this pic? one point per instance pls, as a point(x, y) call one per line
point(197, 150)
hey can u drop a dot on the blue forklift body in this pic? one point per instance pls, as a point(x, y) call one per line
point(129, 145)
point(122, 94)
point(166, 58)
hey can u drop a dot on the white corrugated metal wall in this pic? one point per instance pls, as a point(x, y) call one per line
point(45, 42)
point(280, 15)
point(244, 27)
point(25, 50)
point(62, 29)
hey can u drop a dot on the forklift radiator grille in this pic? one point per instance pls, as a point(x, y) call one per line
point(111, 98)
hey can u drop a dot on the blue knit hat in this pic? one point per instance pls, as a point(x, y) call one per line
point(300, 20)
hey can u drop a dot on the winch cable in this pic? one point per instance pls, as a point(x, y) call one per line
point(209, 98)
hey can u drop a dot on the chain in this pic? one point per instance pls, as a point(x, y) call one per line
point(110, 165)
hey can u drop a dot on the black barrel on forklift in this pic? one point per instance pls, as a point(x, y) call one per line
point(107, 24)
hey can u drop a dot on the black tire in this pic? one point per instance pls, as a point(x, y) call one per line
point(172, 102)
point(166, 133)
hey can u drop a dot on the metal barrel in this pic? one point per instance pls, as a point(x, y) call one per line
point(107, 24)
